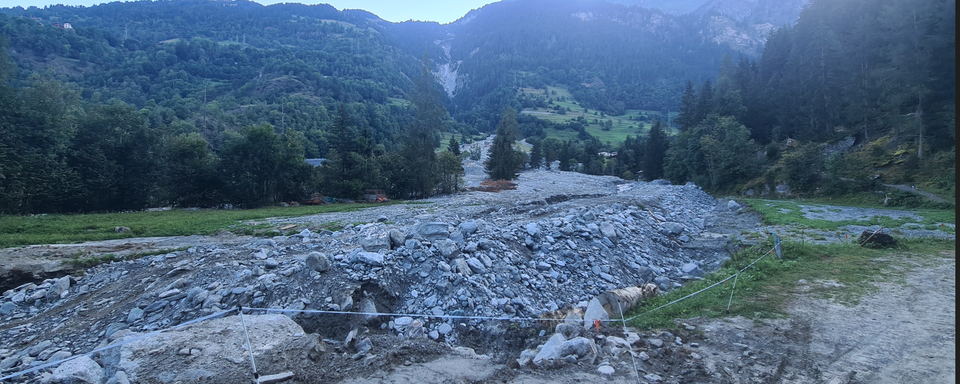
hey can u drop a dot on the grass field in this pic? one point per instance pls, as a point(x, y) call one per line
point(46, 229)
point(788, 212)
point(763, 290)
point(624, 125)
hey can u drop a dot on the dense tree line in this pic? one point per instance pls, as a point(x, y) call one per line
point(859, 69)
point(63, 154)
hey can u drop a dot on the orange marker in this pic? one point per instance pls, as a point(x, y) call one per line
point(596, 322)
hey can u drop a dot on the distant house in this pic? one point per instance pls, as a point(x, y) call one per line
point(315, 162)
point(67, 26)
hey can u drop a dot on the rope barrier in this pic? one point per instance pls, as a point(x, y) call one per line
point(707, 288)
point(141, 337)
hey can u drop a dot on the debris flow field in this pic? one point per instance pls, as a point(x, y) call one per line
point(479, 287)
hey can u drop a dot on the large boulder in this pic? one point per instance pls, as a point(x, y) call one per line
point(81, 370)
point(374, 239)
point(432, 231)
point(671, 229)
point(550, 351)
point(317, 261)
point(579, 346)
point(396, 238)
point(448, 248)
point(58, 287)
point(217, 349)
point(370, 258)
point(594, 312)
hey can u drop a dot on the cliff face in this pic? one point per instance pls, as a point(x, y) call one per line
point(740, 24)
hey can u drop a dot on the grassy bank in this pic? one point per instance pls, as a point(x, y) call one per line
point(789, 212)
point(47, 229)
point(844, 272)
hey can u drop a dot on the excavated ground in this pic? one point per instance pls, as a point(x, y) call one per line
point(556, 241)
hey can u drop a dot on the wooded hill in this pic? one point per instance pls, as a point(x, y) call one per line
point(151, 83)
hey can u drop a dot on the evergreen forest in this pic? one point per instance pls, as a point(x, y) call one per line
point(197, 103)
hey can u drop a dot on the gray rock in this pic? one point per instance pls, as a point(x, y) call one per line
point(550, 351)
point(476, 265)
point(443, 266)
point(364, 345)
point(81, 370)
point(58, 287)
point(134, 315)
point(369, 258)
point(732, 205)
point(9, 362)
point(432, 231)
point(166, 294)
point(580, 346)
point(275, 378)
point(468, 227)
point(412, 244)
point(374, 239)
point(568, 330)
point(656, 343)
point(271, 263)
point(691, 269)
point(434, 335)
point(609, 231)
point(653, 378)
point(7, 308)
point(396, 238)
point(402, 322)
point(448, 248)
point(121, 229)
point(382, 219)
point(367, 305)
point(606, 370)
point(594, 311)
point(59, 355)
point(663, 283)
point(533, 229)
point(156, 306)
point(39, 294)
point(35, 350)
point(445, 329)
point(317, 261)
point(462, 267)
point(265, 243)
point(660, 182)
point(670, 228)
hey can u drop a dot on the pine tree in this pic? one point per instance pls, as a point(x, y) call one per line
point(505, 162)
point(655, 150)
point(453, 146)
point(417, 174)
point(687, 118)
point(536, 155)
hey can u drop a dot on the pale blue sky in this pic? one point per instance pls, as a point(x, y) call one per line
point(442, 11)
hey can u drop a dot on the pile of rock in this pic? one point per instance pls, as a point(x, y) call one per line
point(518, 261)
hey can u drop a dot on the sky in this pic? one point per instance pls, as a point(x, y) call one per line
point(441, 11)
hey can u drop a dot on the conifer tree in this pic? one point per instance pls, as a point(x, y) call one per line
point(536, 155)
point(655, 149)
point(505, 162)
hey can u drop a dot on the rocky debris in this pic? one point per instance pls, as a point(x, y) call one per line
point(504, 256)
